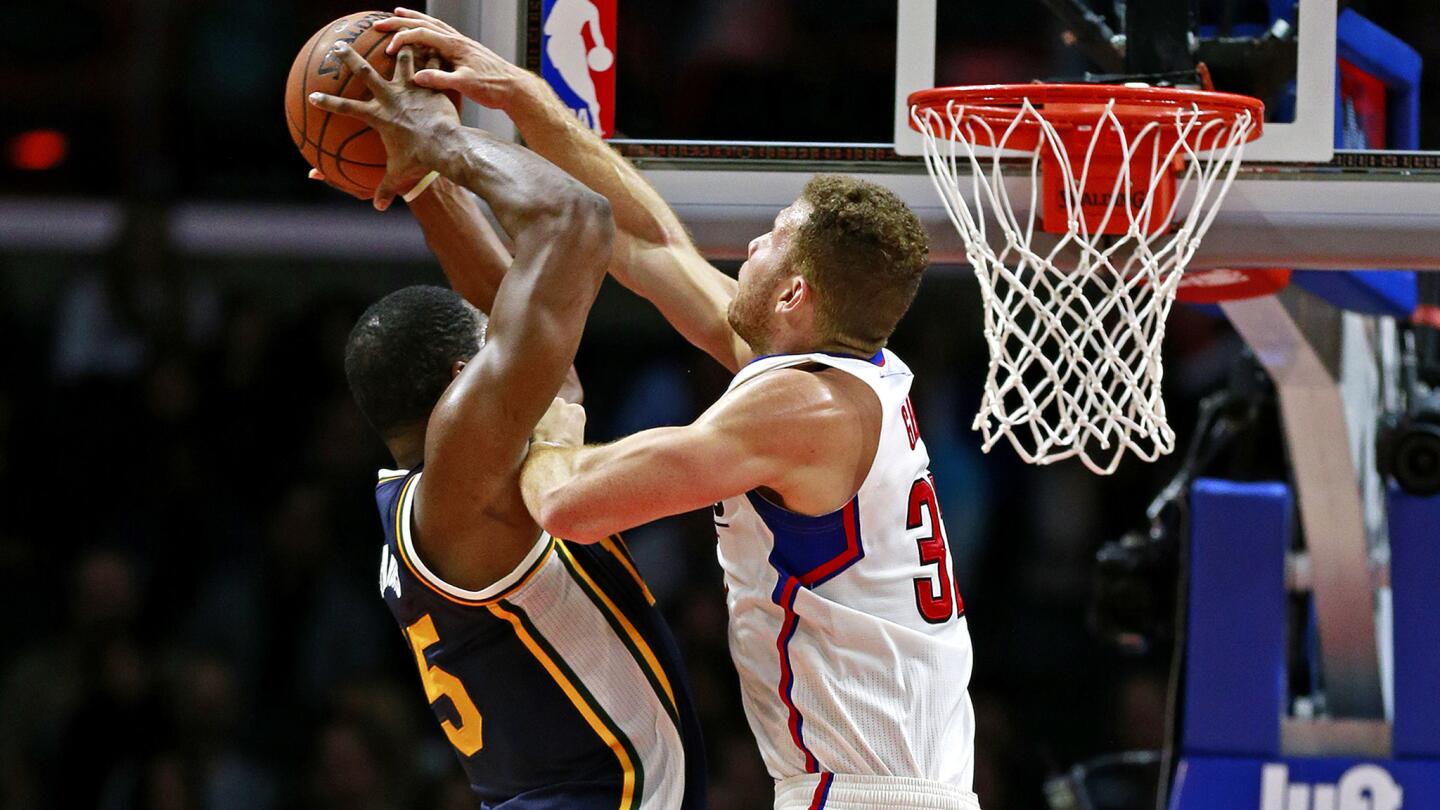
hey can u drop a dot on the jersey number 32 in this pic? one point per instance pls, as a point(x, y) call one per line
point(935, 597)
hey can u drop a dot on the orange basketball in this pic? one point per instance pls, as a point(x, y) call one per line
point(347, 152)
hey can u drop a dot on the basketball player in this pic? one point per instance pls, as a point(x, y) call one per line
point(546, 664)
point(845, 627)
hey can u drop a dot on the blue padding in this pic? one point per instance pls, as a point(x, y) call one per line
point(1370, 292)
point(1235, 673)
point(1218, 783)
point(1381, 54)
point(1414, 583)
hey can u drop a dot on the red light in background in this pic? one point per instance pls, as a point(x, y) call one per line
point(38, 150)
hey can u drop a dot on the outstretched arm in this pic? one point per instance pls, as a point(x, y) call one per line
point(478, 432)
point(788, 435)
point(653, 255)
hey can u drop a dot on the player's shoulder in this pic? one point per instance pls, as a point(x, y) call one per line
point(390, 485)
point(798, 402)
point(391, 478)
point(803, 385)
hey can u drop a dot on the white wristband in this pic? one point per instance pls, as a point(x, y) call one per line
point(420, 187)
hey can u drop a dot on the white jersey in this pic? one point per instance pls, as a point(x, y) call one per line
point(847, 629)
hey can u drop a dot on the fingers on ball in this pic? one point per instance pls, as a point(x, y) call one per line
point(425, 38)
point(343, 106)
point(361, 67)
point(405, 63)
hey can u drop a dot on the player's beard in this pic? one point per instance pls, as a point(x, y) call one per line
point(750, 313)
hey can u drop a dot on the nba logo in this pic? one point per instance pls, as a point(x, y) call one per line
point(578, 58)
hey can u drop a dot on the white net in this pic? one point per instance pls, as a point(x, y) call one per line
point(1075, 367)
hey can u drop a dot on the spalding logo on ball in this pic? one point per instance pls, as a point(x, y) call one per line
point(348, 152)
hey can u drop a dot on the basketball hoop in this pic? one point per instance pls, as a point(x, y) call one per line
point(1129, 179)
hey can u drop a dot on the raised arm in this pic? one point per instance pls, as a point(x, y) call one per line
point(562, 234)
point(469, 251)
point(478, 432)
point(467, 247)
point(653, 255)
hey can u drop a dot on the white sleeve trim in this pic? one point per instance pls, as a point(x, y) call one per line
point(492, 590)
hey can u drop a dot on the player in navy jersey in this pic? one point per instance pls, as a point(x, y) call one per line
point(546, 665)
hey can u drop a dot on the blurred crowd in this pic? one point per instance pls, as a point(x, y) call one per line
point(188, 563)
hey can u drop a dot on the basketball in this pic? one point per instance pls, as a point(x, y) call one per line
point(348, 152)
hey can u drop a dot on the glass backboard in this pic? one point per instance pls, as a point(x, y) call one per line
point(729, 106)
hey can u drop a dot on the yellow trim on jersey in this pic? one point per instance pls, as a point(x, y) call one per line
point(400, 544)
point(645, 652)
point(627, 794)
point(384, 481)
point(612, 545)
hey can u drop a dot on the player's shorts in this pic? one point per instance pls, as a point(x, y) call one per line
point(840, 792)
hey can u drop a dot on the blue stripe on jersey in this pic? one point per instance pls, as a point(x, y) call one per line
point(877, 359)
point(811, 549)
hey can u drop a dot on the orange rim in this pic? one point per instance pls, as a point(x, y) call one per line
point(1068, 106)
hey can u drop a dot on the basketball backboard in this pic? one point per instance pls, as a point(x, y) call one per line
point(1282, 53)
point(730, 107)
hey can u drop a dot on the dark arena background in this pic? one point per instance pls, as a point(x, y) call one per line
point(187, 560)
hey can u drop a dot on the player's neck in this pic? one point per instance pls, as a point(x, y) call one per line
point(408, 448)
point(837, 345)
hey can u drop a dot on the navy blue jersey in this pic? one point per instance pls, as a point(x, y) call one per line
point(558, 686)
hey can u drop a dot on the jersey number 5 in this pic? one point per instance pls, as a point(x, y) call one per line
point(439, 683)
point(936, 604)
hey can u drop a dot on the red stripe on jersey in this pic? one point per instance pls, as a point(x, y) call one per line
point(787, 676)
point(822, 791)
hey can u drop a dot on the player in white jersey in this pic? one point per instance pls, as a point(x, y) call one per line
point(846, 628)
point(853, 653)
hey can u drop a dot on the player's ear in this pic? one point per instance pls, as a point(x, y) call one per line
point(794, 292)
point(455, 369)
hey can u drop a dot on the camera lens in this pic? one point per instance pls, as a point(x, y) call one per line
point(1417, 460)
